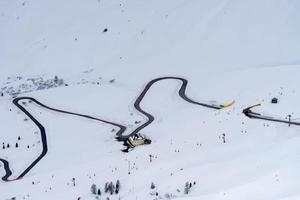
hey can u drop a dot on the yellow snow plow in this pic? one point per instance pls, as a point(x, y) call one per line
point(229, 104)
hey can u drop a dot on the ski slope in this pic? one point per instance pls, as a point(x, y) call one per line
point(247, 51)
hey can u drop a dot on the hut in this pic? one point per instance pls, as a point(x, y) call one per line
point(274, 100)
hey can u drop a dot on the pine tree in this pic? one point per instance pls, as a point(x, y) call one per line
point(112, 188)
point(117, 186)
point(94, 189)
point(99, 192)
point(186, 188)
point(55, 79)
point(106, 187)
point(17, 145)
point(8, 146)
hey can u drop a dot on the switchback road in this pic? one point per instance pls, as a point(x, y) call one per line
point(119, 135)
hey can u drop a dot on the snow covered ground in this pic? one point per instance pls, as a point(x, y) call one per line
point(247, 51)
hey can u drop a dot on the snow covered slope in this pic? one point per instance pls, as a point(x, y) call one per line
point(105, 51)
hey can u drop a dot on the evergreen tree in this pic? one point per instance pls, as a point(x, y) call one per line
point(187, 188)
point(17, 145)
point(99, 192)
point(94, 189)
point(106, 187)
point(55, 79)
point(117, 186)
point(112, 188)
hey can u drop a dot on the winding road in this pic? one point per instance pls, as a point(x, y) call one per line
point(119, 135)
point(249, 113)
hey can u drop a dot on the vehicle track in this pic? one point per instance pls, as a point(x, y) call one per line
point(122, 128)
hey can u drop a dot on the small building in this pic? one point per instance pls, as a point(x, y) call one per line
point(137, 140)
point(274, 100)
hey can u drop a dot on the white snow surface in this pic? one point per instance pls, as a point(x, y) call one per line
point(247, 51)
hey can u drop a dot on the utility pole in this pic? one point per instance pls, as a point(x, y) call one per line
point(289, 120)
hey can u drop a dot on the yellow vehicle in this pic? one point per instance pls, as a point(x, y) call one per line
point(229, 104)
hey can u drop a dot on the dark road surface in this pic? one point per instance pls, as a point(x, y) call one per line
point(249, 113)
point(122, 128)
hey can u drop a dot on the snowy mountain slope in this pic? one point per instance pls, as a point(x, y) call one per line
point(228, 50)
point(147, 35)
